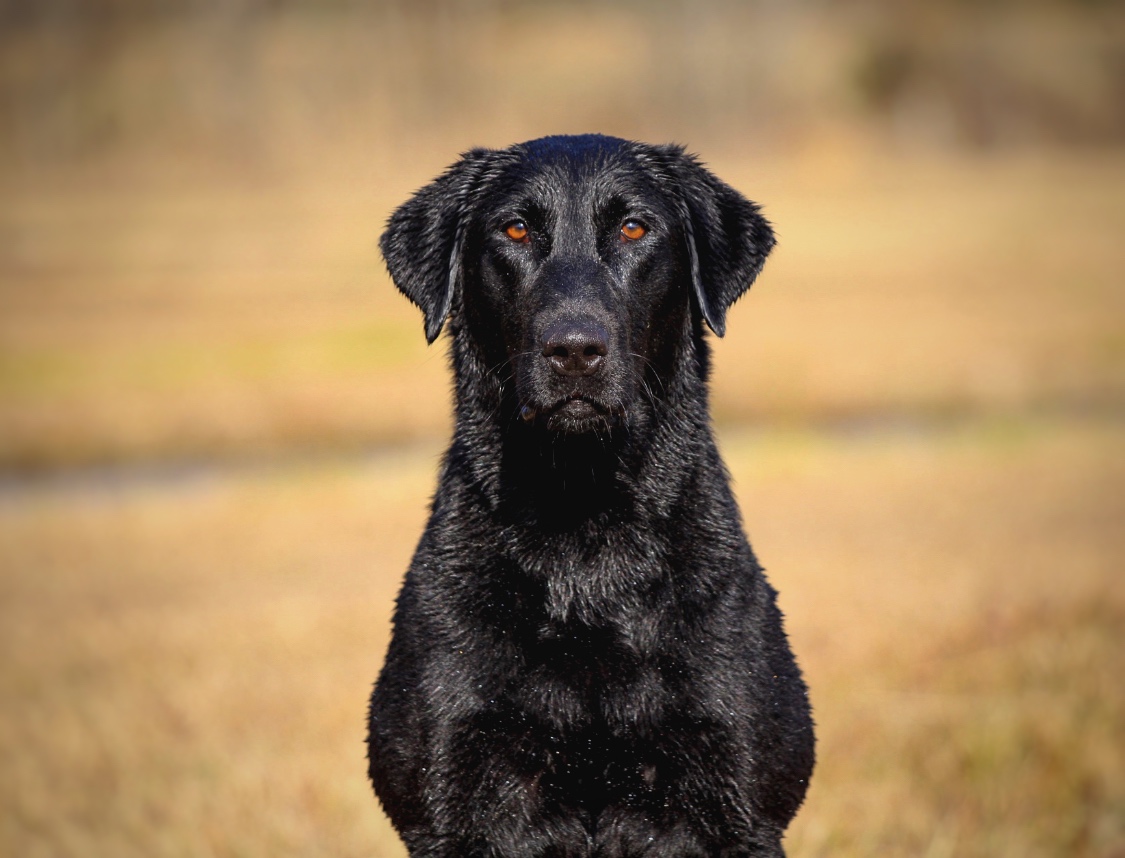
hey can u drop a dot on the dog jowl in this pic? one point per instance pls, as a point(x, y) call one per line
point(587, 659)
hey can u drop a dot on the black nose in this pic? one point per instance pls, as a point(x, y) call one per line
point(575, 347)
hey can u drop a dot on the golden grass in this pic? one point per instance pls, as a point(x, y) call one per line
point(933, 286)
point(957, 604)
point(187, 660)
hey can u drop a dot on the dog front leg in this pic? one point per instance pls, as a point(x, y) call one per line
point(488, 796)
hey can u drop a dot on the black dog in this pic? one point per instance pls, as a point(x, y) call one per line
point(587, 659)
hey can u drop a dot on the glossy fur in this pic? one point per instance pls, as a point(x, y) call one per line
point(587, 659)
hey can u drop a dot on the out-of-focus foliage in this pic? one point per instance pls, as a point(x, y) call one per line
point(278, 80)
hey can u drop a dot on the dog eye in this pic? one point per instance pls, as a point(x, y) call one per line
point(633, 230)
point(517, 231)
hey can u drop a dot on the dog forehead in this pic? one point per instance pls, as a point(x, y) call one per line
point(569, 175)
point(579, 151)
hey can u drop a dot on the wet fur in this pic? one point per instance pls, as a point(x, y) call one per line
point(587, 659)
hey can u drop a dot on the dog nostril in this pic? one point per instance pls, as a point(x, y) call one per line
point(575, 347)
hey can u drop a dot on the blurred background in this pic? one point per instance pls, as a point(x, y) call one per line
point(220, 424)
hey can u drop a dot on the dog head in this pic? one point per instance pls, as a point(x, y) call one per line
point(576, 264)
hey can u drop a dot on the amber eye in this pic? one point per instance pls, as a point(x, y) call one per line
point(517, 231)
point(632, 230)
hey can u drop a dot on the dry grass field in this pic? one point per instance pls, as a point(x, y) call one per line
point(186, 662)
point(220, 424)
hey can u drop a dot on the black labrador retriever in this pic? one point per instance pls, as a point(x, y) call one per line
point(587, 659)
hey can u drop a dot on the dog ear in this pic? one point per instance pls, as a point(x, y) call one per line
point(728, 239)
point(423, 240)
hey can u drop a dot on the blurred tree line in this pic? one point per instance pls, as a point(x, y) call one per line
point(253, 79)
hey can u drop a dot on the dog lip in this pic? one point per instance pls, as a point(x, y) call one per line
point(573, 412)
point(581, 408)
point(576, 404)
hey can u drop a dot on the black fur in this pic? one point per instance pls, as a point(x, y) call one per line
point(587, 659)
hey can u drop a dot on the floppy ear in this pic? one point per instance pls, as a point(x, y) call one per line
point(423, 240)
point(728, 239)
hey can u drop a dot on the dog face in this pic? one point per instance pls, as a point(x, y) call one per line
point(576, 265)
point(576, 255)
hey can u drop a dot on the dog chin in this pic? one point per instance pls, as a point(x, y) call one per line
point(572, 416)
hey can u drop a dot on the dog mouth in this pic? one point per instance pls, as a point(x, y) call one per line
point(573, 413)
